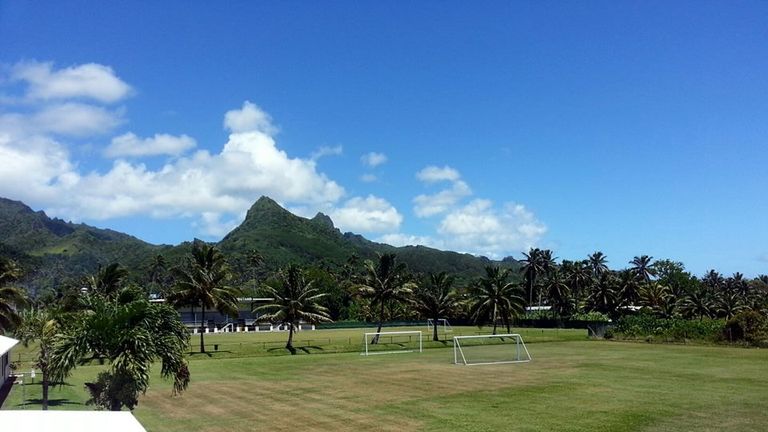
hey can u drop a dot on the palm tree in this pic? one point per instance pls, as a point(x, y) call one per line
point(548, 265)
point(531, 269)
point(108, 280)
point(656, 297)
point(494, 299)
point(598, 263)
point(128, 332)
point(293, 300)
point(696, 303)
point(435, 299)
point(729, 304)
point(10, 297)
point(629, 289)
point(739, 284)
point(713, 280)
point(202, 283)
point(158, 275)
point(604, 296)
point(384, 282)
point(642, 268)
point(559, 294)
point(39, 325)
point(578, 276)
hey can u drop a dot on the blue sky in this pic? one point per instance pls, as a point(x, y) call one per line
point(487, 127)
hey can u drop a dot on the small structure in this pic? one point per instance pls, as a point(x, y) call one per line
point(70, 421)
point(6, 344)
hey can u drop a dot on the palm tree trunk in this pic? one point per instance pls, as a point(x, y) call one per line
point(434, 329)
point(540, 290)
point(530, 291)
point(289, 345)
point(45, 385)
point(202, 329)
point(495, 318)
point(375, 339)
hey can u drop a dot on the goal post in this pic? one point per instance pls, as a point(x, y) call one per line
point(393, 342)
point(442, 322)
point(489, 349)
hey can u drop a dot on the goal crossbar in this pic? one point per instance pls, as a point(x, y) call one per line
point(368, 352)
point(458, 350)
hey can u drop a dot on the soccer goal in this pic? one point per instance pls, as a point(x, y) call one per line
point(442, 322)
point(489, 349)
point(393, 342)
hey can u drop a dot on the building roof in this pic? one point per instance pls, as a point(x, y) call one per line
point(6, 344)
point(70, 421)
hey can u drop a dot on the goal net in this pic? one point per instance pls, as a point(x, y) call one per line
point(442, 324)
point(392, 342)
point(489, 349)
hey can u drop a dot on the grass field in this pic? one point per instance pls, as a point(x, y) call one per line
point(224, 345)
point(570, 385)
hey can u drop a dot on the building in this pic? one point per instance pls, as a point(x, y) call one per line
point(6, 344)
point(246, 319)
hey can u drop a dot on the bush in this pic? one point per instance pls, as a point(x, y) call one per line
point(590, 316)
point(649, 327)
point(748, 326)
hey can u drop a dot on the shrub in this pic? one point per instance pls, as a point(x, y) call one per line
point(649, 327)
point(748, 326)
point(590, 316)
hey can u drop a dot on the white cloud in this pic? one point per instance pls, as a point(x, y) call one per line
point(432, 174)
point(370, 214)
point(212, 225)
point(161, 144)
point(91, 80)
point(430, 205)
point(248, 166)
point(76, 119)
point(326, 151)
point(213, 188)
point(426, 205)
point(368, 178)
point(480, 228)
point(34, 169)
point(249, 118)
point(68, 119)
point(373, 159)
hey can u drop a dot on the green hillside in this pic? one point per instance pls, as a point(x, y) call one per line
point(51, 250)
point(282, 237)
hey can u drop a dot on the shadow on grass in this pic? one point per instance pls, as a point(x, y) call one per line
point(208, 353)
point(51, 402)
point(307, 349)
point(51, 383)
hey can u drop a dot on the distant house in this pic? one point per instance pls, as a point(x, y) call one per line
point(245, 319)
point(6, 344)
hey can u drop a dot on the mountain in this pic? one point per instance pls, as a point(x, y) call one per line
point(282, 237)
point(52, 249)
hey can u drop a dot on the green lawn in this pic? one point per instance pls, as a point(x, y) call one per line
point(569, 385)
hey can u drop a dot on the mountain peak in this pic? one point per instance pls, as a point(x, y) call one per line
point(323, 219)
point(264, 205)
